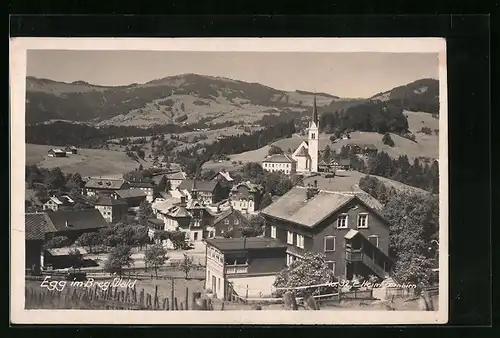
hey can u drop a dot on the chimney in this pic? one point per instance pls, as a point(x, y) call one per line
point(66, 224)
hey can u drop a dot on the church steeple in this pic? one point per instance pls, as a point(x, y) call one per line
point(315, 112)
point(194, 191)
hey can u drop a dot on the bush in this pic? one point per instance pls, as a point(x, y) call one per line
point(386, 139)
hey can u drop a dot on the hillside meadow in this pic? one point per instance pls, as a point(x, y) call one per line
point(88, 162)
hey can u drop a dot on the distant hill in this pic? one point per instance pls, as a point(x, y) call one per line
point(421, 95)
point(175, 99)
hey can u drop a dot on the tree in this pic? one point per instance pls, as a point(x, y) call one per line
point(140, 236)
point(55, 179)
point(208, 174)
point(273, 150)
point(178, 239)
point(57, 242)
point(386, 139)
point(266, 200)
point(90, 240)
point(75, 258)
point(414, 220)
point(119, 258)
point(312, 269)
point(327, 153)
point(332, 138)
point(75, 183)
point(187, 264)
point(156, 256)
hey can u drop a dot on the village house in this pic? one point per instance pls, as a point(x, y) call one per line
point(243, 267)
point(134, 196)
point(346, 226)
point(54, 203)
point(175, 179)
point(111, 208)
point(148, 188)
point(324, 166)
point(280, 162)
point(98, 185)
point(71, 150)
point(36, 226)
point(227, 223)
point(56, 152)
point(342, 164)
point(76, 222)
point(208, 192)
point(246, 197)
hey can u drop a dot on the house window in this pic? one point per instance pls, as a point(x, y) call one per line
point(329, 244)
point(342, 222)
point(331, 265)
point(300, 241)
point(226, 221)
point(236, 221)
point(289, 237)
point(363, 221)
point(218, 284)
point(373, 239)
point(289, 259)
point(273, 231)
point(313, 136)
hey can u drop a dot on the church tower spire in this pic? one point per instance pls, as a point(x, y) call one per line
point(313, 142)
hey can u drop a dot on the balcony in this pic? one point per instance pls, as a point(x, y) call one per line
point(236, 269)
point(353, 255)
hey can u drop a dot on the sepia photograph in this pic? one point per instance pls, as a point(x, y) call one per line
point(256, 180)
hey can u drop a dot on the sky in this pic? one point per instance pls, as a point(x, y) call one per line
point(342, 74)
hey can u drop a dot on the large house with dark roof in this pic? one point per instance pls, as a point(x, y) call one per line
point(134, 196)
point(346, 226)
point(148, 187)
point(97, 185)
point(244, 267)
point(113, 209)
point(246, 197)
point(76, 222)
point(36, 226)
point(175, 179)
point(228, 222)
point(280, 162)
point(208, 192)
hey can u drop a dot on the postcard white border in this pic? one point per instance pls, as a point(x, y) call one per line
point(18, 48)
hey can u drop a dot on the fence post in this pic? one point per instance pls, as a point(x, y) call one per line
point(156, 297)
point(175, 304)
point(246, 293)
point(187, 299)
point(172, 292)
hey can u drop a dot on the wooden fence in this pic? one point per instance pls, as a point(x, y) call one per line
point(111, 298)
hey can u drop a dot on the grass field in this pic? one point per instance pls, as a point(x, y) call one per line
point(88, 162)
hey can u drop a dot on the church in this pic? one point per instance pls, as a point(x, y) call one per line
point(307, 153)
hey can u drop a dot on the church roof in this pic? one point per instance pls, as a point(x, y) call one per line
point(279, 158)
point(302, 152)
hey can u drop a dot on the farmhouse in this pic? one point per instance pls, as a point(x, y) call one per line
point(176, 179)
point(227, 223)
point(36, 226)
point(346, 226)
point(111, 208)
point(307, 153)
point(98, 185)
point(71, 150)
point(341, 165)
point(54, 202)
point(134, 196)
point(223, 177)
point(280, 162)
point(243, 266)
point(56, 152)
point(148, 187)
point(246, 197)
point(207, 192)
point(76, 222)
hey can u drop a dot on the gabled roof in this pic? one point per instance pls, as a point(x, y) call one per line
point(130, 193)
point(251, 186)
point(108, 200)
point(279, 158)
point(165, 205)
point(57, 150)
point(295, 207)
point(205, 186)
point(77, 219)
point(250, 243)
point(224, 174)
point(178, 211)
point(104, 183)
point(223, 215)
point(302, 152)
point(322, 162)
point(142, 184)
point(36, 225)
point(179, 175)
